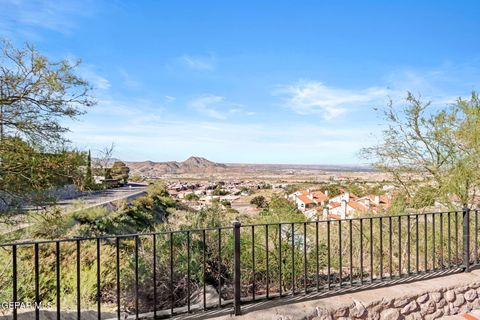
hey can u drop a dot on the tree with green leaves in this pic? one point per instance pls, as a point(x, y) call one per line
point(120, 171)
point(192, 197)
point(36, 96)
point(259, 201)
point(433, 151)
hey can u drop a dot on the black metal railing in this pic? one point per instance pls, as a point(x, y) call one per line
point(166, 273)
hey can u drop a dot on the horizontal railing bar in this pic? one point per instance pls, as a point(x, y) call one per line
point(132, 235)
point(347, 219)
point(106, 237)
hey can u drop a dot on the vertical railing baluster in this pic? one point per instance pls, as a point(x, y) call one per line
point(136, 276)
point(58, 288)
point(390, 253)
point(78, 261)
point(350, 233)
point(317, 258)
point(417, 256)
point(381, 247)
point(361, 251)
point(449, 244)
point(371, 249)
point(236, 268)
point(456, 240)
point(433, 243)
point(267, 271)
point(267, 264)
point(476, 237)
point(219, 268)
point(253, 264)
point(37, 286)
point(441, 242)
point(305, 271)
point(293, 258)
point(466, 238)
point(204, 262)
point(172, 298)
point(188, 271)
point(425, 248)
point(14, 281)
point(117, 265)
point(400, 246)
point(328, 255)
point(408, 245)
point(340, 276)
point(280, 282)
point(99, 293)
point(155, 300)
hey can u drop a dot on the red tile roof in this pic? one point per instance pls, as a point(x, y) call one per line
point(305, 199)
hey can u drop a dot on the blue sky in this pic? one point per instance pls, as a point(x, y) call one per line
point(251, 81)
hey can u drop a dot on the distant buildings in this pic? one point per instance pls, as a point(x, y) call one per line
point(315, 204)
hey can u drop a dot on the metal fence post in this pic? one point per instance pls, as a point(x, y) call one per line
point(466, 238)
point(236, 266)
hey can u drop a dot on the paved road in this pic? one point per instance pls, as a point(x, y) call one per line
point(90, 200)
point(95, 199)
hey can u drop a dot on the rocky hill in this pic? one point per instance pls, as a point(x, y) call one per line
point(191, 165)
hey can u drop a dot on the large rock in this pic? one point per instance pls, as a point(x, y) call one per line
point(435, 296)
point(442, 303)
point(450, 296)
point(422, 298)
point(323, 314)
point(357, 310)
point(341, 312)
point(459, 300)
point(400, 302)
point(470, 295)
point(428, 308)
point(437, 314)
point(390, 314)
point(461, 289)
point(410, 307)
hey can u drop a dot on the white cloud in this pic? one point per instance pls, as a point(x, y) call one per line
point(128, 80)
point(218, 107)
point(206, 105)
point(224, 141)
point(54, 15)
point(200, 63)
point(314, 97)
point(169, 99)
point(89, 73)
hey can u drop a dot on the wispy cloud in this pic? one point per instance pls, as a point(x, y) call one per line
point(218, 107)
point(57, 15)
point(219, 141)
point(89, 73)
point(169, 99)
point(128, 80)
point(314, 97)
point(197, 62)
point(207, 105)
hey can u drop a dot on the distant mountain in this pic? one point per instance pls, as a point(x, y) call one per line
point(191, 165)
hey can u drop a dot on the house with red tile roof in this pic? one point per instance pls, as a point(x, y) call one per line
point(315, 204)
point(307, 199)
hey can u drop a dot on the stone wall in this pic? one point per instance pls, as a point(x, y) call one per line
point(448, 293)
point(429, 305)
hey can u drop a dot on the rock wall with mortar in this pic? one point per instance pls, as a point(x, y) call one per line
point(429, 305)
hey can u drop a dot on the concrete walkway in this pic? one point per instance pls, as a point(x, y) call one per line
point(305, 307)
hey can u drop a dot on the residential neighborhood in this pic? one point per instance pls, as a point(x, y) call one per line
point(316, 204)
